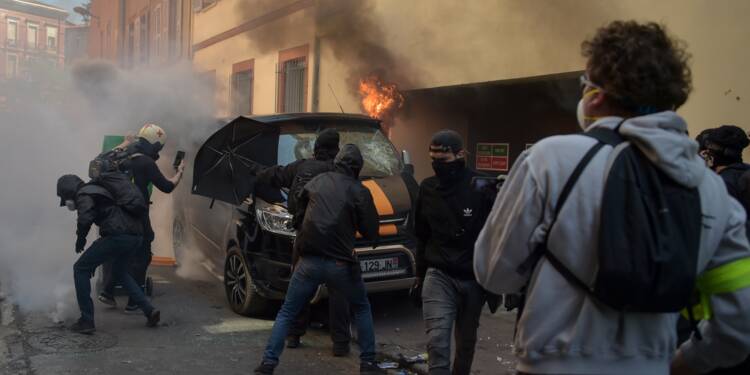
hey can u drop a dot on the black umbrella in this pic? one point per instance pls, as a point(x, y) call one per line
point(226, 163)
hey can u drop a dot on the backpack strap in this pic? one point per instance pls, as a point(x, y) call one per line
point(603, 137)
point(540, 250)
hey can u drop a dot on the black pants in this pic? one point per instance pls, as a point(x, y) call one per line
point(116, 249)
point(339, 316)
point(137, 265)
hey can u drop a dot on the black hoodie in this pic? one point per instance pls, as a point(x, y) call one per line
point(334, 206)
point(95, 205)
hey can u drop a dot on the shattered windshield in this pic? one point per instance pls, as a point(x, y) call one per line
point(381, 159)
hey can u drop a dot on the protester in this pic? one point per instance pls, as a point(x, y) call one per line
point(334, 207)
point(723, 154)
point(721, 148)
point(637, 74)
point(121, 232)
point(448, 217)
point(294, 177)
point(142, 166)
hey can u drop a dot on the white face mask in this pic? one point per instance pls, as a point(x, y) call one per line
point(70, 204)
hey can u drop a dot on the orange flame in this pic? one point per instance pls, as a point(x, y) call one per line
point(379, 100)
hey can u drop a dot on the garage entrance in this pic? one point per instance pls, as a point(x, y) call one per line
point(498, 119)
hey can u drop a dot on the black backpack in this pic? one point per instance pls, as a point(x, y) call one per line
point(114, 160)
point(124, 192)
point(649, 233)
point(109, 170)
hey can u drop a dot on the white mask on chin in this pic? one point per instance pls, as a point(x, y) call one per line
point(581, 116)
point(585, 121)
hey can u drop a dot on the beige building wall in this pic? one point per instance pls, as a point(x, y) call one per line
point(448, 43)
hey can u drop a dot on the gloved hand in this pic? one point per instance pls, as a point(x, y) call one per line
point(80, 244)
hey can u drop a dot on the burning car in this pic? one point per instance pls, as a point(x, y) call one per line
point(248, 229)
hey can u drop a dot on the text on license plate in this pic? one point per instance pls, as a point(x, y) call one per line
point(379, 265)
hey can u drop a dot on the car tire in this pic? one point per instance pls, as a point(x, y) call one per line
point(239, 287)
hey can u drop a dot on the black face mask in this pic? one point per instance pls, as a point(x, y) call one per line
point(448, 172)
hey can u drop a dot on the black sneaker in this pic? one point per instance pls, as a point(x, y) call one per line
point(153, 319)
point(132, 309)
point(84, 327)
point(341, 349)
point(107, 299)
point(293, 342)
point(264, 369)
point(371, 368)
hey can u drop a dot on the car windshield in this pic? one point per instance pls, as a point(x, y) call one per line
point(381, 159)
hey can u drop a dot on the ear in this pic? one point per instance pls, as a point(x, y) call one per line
point(461, 154)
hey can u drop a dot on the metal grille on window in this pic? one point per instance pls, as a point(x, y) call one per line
point(242, 91)
point(294, 85)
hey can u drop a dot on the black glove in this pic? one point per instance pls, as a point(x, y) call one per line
point(80, 244)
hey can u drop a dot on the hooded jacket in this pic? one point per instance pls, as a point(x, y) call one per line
point(95, 205)
point(334, 206)
point(296, 175)
point(562, 330)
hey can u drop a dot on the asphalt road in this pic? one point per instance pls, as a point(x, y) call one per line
point(199, 334)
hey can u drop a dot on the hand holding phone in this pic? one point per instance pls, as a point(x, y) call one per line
point(178, 159)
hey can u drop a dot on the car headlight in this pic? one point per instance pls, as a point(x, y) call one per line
point(275, 219)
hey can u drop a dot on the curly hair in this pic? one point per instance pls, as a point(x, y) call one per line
point(640, 67)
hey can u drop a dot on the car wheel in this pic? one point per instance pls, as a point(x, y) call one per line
point(239, 288)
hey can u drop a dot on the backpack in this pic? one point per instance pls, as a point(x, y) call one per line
point(649, 233)
point(109, 171)
point(114, 160)
point(124, 192)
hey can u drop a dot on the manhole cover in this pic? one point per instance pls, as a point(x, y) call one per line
point(68, 342)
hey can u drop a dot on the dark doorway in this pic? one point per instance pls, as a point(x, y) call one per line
point(497, 119)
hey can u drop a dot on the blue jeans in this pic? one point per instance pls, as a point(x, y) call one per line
point(117, 249)
point(311, 271)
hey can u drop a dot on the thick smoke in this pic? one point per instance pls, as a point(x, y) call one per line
point(348, 28)
point(54, 124)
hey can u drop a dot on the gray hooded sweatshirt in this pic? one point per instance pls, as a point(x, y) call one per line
point(562, 330)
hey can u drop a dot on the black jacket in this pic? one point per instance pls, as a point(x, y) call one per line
point(447, 222)
point(294, 177)
point(144, 170)
point(95, 205)
point(737, 179)
point(334, 207)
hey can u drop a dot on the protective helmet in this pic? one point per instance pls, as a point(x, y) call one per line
point(153, 134)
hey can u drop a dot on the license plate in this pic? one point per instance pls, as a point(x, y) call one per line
point(379, 265)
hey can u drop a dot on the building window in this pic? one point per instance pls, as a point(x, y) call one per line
point(11, 66)
point(52, 37)
point(199, 5)
point(12, 35)
point(143, 39)
point(32, 36)
point(292, 80)
point(242, 88)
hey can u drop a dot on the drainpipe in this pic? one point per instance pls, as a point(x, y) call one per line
point(316, 75)
point(121, 56)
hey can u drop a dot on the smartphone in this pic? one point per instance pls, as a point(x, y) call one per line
point(178, 159)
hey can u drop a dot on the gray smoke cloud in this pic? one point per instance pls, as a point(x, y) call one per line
point(54, 124)
point(348, 28)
